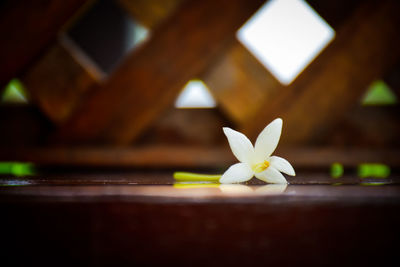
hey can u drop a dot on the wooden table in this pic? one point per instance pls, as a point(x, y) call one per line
point(128, 218)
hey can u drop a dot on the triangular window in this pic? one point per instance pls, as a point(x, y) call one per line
point(14, 93)
point(379, 94)
point(195, 94)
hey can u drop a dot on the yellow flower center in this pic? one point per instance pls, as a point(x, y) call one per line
point(260, 166)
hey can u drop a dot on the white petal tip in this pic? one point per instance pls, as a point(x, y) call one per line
point(227, 131)
point(278, 121)
point(291, 173)
point(282, 165)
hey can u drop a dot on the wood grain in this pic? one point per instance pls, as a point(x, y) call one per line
point(240, 83)
point(373, 127)
point(150, 12)
point(135, 226)
point(191, 127)
point(164, 156)
point(60, 79)
point(336, 13)
point(364, 49)
point(149, 79)
point(27, 28)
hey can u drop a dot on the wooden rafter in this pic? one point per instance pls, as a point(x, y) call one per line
point(150, 12)
point(336, 13)
point(240, 83)
point(191, 156)
point(60, 79)
point(182, 127)
point(149, 79)
point(374, 127)
point(366, 46)
point(27, 28)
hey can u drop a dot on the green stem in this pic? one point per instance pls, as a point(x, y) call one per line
point(196, 177)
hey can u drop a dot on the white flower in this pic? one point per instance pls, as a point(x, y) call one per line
point(257, 161)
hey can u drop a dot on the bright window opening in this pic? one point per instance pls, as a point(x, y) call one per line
point(285, 36)
point(195, 94)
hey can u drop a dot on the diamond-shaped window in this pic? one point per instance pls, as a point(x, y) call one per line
point(106, 33)
point(285, 36)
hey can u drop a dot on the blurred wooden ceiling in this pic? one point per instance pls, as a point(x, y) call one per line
point(131, 108)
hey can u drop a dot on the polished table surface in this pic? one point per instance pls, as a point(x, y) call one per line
point(144, 218)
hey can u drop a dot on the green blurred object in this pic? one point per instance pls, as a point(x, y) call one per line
point(17, 168)
point(336, 170)
point(375, 170)
point(379, 93)
point(14, 93)
point(195, 177)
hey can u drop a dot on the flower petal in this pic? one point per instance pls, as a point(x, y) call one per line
point(282, 165)
point(239, 172)
point(271, 175)
point(240, 145)
point(267, 140)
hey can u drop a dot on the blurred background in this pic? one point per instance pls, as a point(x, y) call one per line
point(101, 101)
point(149, 84)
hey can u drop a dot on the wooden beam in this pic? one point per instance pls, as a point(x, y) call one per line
point(178, 156)
point(27, 28)
point(60, 79)
point(150, 12)
point(139, 157)
point(364, 49)
point(149, 79)
point(64, 74)
point(182, 127)
point(337, 12)
point(366, 126)
point(240, 83)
